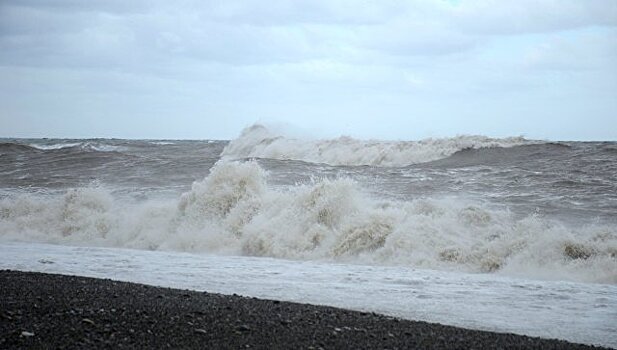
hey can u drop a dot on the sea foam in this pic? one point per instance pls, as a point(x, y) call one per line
point(258, 141)
point(83, 146)
point(234, 211)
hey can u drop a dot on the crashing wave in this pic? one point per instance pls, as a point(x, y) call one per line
point(259, 142)
point(234, 211)
point(82, 146)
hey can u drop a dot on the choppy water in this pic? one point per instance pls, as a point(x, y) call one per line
point(532, 209)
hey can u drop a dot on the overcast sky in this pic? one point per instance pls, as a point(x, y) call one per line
point(368, 69)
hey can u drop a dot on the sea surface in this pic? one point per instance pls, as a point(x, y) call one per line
point(502, 234)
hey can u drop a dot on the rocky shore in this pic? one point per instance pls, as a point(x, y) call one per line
point(53, 311)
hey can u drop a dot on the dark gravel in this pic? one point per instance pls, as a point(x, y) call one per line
point(54, 311)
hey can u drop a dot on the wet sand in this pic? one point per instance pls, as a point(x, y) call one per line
point(54, 311)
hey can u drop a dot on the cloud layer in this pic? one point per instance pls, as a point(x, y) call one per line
point(390, 69)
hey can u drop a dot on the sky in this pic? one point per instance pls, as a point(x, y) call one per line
point(383, 69)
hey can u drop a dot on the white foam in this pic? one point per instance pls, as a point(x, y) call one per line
point(582, 313)
point(87, 146)
point(101, 147)
point(258, 141)
point(234, 211)
point(54, 146)
point(162, 143)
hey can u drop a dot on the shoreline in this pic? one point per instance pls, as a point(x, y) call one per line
point(39, 310)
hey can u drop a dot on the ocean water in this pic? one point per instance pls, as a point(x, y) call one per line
point(472, 215)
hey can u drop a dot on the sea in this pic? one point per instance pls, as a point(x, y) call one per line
point(500, 234)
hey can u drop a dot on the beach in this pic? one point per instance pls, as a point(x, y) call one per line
point(55, 311)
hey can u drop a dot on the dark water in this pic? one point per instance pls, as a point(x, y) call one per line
point(127, 166)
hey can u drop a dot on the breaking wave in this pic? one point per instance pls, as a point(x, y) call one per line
point(82, 146)
point(234, 211)
point(67, 147)
point(259, 142)
point(45, 147)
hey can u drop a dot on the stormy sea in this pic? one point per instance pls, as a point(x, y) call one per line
point(500, 234)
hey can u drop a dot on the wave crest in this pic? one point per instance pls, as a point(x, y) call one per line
point(258, 141)
point(87, 146)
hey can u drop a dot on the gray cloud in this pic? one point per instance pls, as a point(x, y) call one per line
point(528, 16)
point(73, 6)
point(77, 33)
point(250, 59)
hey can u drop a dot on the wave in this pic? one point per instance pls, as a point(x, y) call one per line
point(15, 147)
point(259, 142)
point(234, 211)
point(162, 143)
point(54, 146)
point(87, 146)
point(503, 156)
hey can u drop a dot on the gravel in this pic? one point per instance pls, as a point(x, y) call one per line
point(54, 311)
